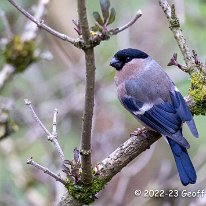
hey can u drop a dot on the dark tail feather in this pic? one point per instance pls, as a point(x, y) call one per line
point(184, 165)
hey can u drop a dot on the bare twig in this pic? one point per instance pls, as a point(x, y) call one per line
point(89, 96)
point(30, 31)
point(54, 136)
point(177, 32)
point(46, 170)
point(28, 103)
point(58, 148)
point(40, 23)
point(54, 130)
point(51, 136)
point(126, 26)
point(173, 62)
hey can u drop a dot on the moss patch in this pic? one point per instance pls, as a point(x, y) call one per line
point(198, 93)
point(19, 54)
point(86, 194)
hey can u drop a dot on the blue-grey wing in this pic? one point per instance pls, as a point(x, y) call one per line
point(163, 94)
point(163, 116)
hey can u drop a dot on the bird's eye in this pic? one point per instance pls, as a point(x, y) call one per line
point(128, 59)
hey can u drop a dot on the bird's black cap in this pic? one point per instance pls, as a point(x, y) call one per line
point(126, 55)
point(133, 53)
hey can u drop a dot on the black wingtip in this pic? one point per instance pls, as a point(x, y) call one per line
point(192, 127)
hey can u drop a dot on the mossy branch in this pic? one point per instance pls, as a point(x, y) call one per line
point(197, 93)
point(174, 26)
point(197, 90)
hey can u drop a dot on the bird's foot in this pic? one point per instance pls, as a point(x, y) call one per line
point(140, 132)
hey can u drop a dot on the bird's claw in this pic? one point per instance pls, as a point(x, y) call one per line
point(140, 132)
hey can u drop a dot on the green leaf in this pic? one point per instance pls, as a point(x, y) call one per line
point(112, 16)
point(105, 4)
point(95, 28)
point(98, 18)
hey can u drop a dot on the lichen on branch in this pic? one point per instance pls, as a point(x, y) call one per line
point(86, 194)
point(19, 54)
point(197, 92)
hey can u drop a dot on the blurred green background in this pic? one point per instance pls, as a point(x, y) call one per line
point(59, 83)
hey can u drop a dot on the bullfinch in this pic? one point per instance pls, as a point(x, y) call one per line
point(148, 93)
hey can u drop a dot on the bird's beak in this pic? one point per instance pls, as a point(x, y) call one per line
point(115, 63)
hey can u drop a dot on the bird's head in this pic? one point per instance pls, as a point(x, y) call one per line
point(124, 56)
